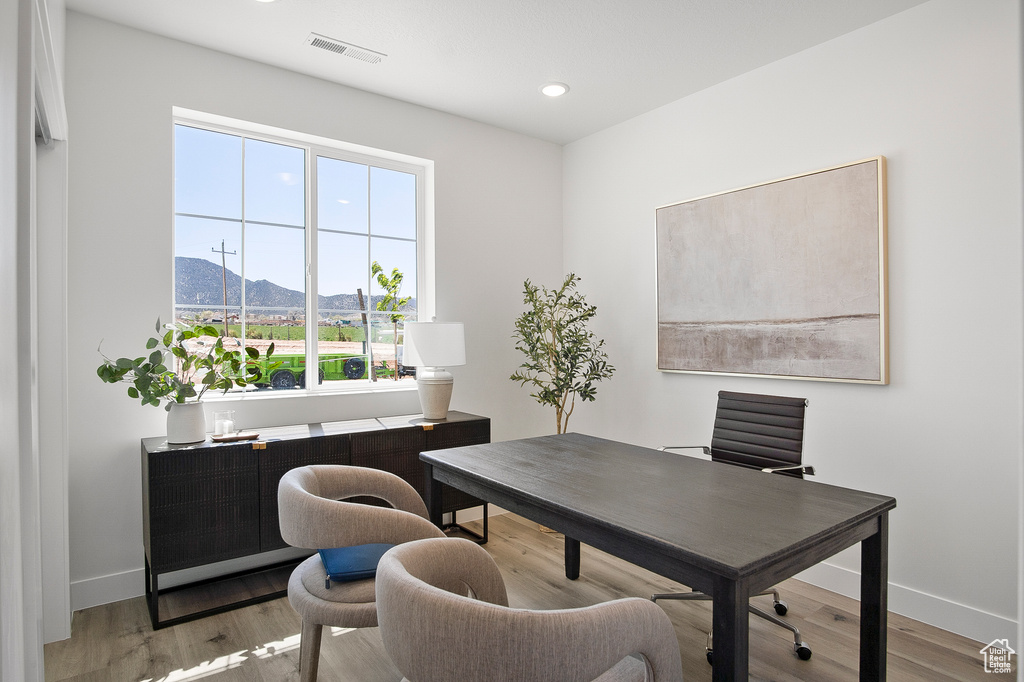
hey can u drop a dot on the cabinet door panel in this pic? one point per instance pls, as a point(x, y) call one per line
point(203, 506)
point(394, 450)
point(281, 457)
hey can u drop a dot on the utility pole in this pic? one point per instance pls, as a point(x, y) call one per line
point(224, 280)
point(367, 346)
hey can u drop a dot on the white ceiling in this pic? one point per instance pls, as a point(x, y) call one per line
point(486, 59)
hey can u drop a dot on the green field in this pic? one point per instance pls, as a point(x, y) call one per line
point(297, 333)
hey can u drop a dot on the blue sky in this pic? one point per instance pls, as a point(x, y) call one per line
point(210, 182)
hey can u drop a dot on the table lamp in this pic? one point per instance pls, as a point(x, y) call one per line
point(430, 347)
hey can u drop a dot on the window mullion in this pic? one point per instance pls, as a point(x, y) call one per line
point(370, 320)
point(242, 311)
point(312, 277)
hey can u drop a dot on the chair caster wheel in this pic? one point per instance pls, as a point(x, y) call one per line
point(710, 658)
point(781, 608)
point(803, 651)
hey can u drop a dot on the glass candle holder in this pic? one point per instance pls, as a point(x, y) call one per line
point(224, 423)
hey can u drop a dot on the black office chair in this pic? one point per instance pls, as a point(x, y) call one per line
point(763, 432)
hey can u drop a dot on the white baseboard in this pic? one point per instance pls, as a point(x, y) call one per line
point(129, 584)
point(106, 589)
point(476, 513)
point(942, 613)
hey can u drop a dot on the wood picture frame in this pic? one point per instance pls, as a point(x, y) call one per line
point(783, 279)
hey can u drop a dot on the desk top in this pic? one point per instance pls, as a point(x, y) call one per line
point(728, 519)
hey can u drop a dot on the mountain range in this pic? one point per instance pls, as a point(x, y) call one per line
point(199, 282)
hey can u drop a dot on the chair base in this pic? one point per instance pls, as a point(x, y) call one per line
point(800, 647)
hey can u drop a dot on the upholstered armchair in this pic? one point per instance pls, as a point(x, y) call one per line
point(444, 615)
point(313, 516)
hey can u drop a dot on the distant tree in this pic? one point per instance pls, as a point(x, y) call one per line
point(391, 303)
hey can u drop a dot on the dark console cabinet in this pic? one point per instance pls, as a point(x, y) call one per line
point(211, 502)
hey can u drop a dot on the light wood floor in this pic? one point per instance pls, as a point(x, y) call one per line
point(116, 642)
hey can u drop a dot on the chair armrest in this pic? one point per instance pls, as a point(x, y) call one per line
point(806, 470)
point(612, 631)
point(329, 523)
point(314, 522)
point(703, 448)
point(342, 482)
point(576, 645)
point(554, 640)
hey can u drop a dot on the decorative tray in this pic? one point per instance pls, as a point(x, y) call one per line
point(232, 437)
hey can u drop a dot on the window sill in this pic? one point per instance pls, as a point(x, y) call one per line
point(367, 389)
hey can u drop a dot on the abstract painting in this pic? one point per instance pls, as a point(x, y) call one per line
point(783, 279)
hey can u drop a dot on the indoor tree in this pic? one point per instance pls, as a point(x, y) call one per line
point(563, 359)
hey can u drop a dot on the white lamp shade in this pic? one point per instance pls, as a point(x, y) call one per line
point(434, 344)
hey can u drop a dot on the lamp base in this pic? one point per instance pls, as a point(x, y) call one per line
point(434, 386)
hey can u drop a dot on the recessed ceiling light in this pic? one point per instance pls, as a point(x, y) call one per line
point(264, 0)
point(554, 89)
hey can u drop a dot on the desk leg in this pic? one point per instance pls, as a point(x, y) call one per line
point(730, 631)
point(572, 558)
point(874, 585)
point(433, 490)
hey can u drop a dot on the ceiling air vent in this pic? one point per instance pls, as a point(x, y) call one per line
point(347, 49)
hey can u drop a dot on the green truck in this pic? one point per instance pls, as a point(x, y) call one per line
point(290, 370)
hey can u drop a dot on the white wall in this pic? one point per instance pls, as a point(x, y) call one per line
point(497, 215)
point(937, 91)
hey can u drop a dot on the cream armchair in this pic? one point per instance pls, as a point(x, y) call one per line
point(435, 632)
point(313, 516)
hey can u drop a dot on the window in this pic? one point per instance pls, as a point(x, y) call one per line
point(275, 241)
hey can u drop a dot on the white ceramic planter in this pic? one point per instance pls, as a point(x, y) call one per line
point(186, 423)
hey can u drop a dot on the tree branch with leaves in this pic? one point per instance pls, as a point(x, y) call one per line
point(183, 357)
point(391, 303)
point(564, 360)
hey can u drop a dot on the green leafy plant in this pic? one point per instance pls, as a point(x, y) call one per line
point(391, 303)
point(563, 359)
point(183, 358)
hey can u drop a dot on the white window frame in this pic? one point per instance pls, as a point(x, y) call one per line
point(315, 146)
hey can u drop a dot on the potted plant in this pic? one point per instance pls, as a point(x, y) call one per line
point(563, 359)
point(183, 364)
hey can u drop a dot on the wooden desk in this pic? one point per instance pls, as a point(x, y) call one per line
point(724, 530)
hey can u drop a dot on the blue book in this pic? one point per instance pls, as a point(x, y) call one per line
point(344, 564)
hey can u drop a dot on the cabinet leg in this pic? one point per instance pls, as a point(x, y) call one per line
point(480, 539)
point(152, 595)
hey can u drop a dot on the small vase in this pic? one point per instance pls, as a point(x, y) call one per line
point(186, 423)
